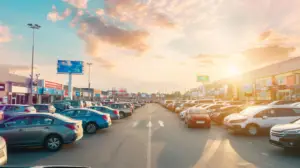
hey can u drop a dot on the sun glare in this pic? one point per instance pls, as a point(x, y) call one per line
point(232, 70)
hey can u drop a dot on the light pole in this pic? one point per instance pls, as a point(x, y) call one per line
point(33, 27)
point(89, 64)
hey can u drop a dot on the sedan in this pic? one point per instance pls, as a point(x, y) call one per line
point(41, 129)
point(92, 120)
point(197, 118)
point(114, 114)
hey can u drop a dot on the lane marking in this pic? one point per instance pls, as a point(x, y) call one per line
point(265, 154)
point(135, 123)
point(149, 143)
point(161, 123)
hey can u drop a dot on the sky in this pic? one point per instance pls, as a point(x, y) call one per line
point(148, 45)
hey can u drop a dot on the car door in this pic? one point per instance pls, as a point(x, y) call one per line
point(83, 115)
point(40, 127)
point(14, 130)
point(265, 119)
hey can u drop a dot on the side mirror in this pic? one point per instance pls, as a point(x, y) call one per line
point(264, 117)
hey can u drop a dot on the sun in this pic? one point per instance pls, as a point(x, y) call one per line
point(233, 70)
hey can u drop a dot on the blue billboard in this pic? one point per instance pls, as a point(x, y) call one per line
point(73, 67)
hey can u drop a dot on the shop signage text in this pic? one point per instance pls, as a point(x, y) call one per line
point(53, 85)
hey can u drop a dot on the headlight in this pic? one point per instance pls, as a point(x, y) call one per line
point(297, 131)
point(238, 121)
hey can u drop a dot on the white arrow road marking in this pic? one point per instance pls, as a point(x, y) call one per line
point(135, 123)
point(149, 143)
point(161, 123)
point(149, 125)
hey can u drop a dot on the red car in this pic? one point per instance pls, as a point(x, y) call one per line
point(197, 118)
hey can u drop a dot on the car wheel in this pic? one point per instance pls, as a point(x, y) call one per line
point(122, 114)
point(252, 129)
point(91, 128)
point(53, 143)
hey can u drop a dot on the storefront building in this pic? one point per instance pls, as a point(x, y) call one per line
point(3, 93)
point(51, 91)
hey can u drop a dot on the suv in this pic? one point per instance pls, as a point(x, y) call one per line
point(13, 109)
point(124, 109)
point(255, 118)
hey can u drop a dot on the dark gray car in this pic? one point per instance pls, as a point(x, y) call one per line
point(41, 129)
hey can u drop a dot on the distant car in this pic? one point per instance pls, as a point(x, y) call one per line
point(11, 110)
point(41, 129)
point(114, 114)
point(92, 120)
point(46, 108)
point(73, 103)
point(137, 105)
point(197, 118)
point(124, 109)
point(219, 115)
point(3, 152)
point(61, 106)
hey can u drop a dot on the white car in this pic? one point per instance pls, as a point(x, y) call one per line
point(255, 118)
point(3, 152)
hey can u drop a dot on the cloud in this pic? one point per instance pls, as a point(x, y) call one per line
point(103, 63)
point(77, 3)
point(55, 16)
point(138, 13)
point(5, 34)
point(94, 31)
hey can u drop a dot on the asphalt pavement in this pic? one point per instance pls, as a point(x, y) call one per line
point(154, 137)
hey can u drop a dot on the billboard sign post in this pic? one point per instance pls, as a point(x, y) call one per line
point(70, 68)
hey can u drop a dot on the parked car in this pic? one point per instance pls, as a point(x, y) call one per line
point(73, 103)
point(92, 120)
point(282, 102)
point(11, 110)
point(213, 107)
point(197, 117)
point(219, 115)
point(256, 118)
point(286, 136)
point(124, 110)
point(137, 105)
point(183, 107)
point(41, 129)
point(114, 114)
point(46, 108)
point(61, 106)
point(3, 152)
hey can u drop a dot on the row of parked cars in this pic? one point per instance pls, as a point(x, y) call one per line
point(280, 118)
point(52, 125)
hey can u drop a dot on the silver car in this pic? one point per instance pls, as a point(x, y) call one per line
point(3, 152)
point(124, 109)
point(41, 129)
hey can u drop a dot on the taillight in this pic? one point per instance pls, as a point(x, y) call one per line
point(71, 126)
point(116, 112)
point(105, 117)
point(27, 110)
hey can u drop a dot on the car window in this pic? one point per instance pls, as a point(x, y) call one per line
point(9, 109)
point(17, 122)
point(41, 120)
point(267, 112)
point(82, 113)
point(44, 108)
point(284, 112)
point(69, 113)
point(19, 109)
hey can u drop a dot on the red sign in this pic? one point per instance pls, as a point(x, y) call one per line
point(53, 85)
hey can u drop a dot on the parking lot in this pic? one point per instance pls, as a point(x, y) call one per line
point(155, 137)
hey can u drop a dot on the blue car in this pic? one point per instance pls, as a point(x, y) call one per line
point(92, 120)
point(114, 114)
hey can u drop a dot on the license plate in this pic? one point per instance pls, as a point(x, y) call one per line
point(200, 122)
point(274, 138)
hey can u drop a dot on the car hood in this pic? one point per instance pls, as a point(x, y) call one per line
point(284, 127)
point(235, 116)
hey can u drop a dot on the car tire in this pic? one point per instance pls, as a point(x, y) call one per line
point(90, 128)
point(122, 114)
point(53, 143)
point(252, 129)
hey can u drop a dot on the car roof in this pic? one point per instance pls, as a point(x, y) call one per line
point(282, 106)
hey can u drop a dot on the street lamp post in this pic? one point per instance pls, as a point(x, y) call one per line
point(89, 78)
point(33, 27)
